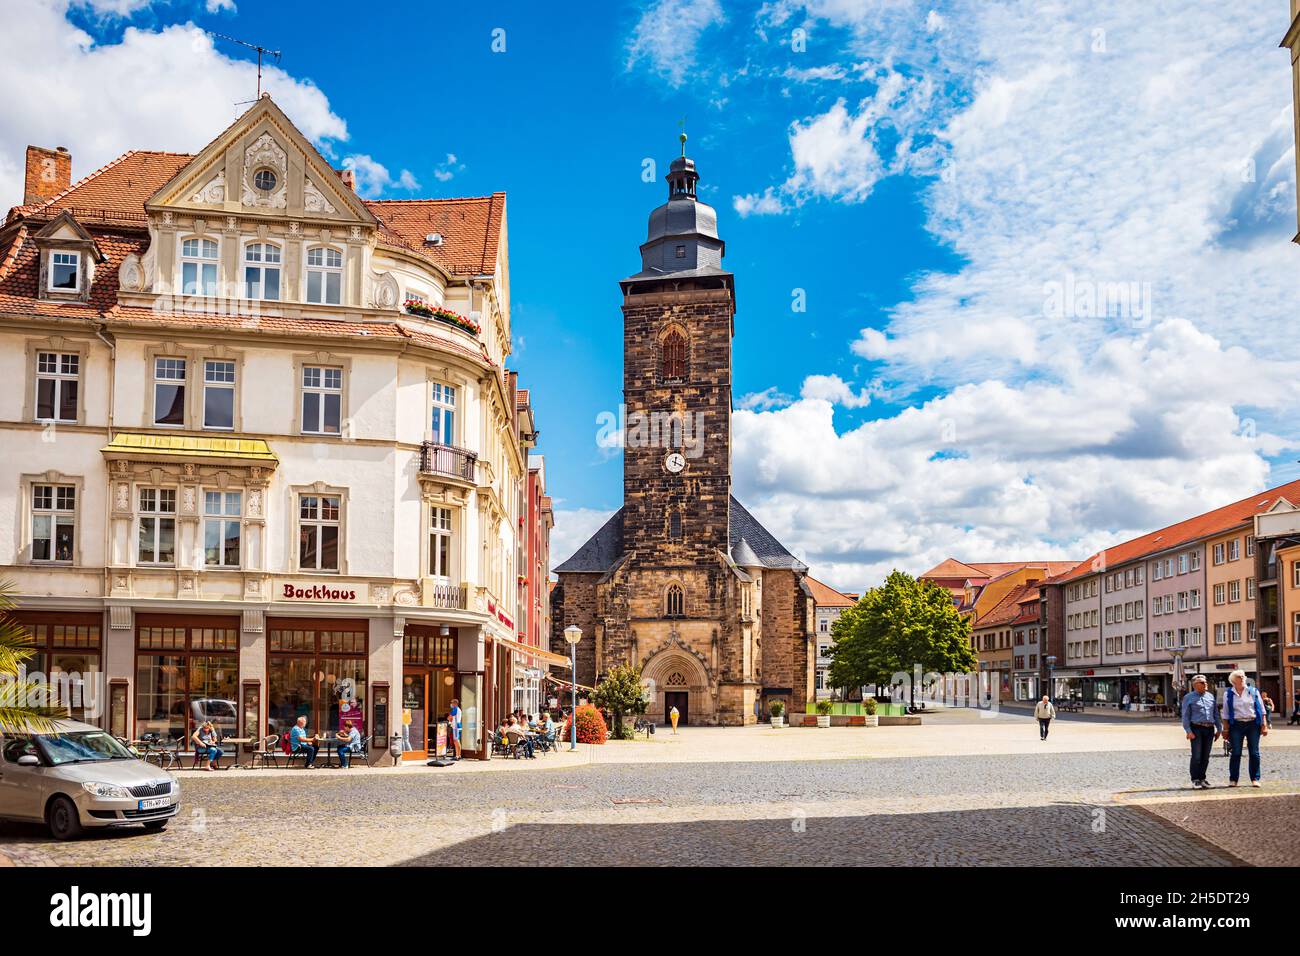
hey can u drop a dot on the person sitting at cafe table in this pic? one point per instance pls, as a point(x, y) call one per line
point(521, 733)
point(349, 743)
point(205, 744)
point(299, 742)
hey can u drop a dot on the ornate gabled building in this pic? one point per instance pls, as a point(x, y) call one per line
point(682, 580)
point(263, 455)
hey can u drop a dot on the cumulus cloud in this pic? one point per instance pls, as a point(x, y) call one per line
point(170, 90)
point(573, 526)
point(667, 33)
point(373, 177)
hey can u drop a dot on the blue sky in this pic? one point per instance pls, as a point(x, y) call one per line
point(929, 175)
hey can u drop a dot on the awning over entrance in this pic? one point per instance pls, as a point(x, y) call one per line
point(139, 447)
point(547, 657)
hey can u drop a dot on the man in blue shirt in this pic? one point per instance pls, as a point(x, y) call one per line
point(1200, 723)
point(299, 742)
point(453, 726)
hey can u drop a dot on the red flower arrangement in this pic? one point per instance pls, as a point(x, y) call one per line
point(416, 307)
point(591, 726)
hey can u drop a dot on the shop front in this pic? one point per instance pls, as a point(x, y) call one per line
point(68, 655)
point(429, 682)
point(186, 672)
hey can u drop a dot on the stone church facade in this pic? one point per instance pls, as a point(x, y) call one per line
point(682, 580)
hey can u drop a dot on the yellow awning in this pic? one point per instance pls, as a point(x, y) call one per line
point(542, 655)
point(133, 445)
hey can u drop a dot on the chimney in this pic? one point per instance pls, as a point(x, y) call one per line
point(49, 172)
point(349, 177)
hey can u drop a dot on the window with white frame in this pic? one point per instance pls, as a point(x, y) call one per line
point(1138, 608)
point(1295, 574)
point(1139, 643)
point(324, 275)
point(1234, 549)
point(322, 399)
point(1219, 594)
point(169, 391)
point(1156, 605)
point(1196, 560)
point(1196, 598)
point(218, 393)
point(1182, 600)
point(1220, 633)
point(1155, 571)
point(1234, 632)
point(443, 419)
point(1183, 563)
point(198, 267)
point(1250, 545)
point(1250, 631)
point(54, 522)
point(64, 271)
point(440, 542)
point(1194, 637)
point(156, 523)
point(1234, 592)
point(1169, 604)
point(1169, 567)
point(318, 532)
point(262, 271)
point(58, 377)
point(1139, 574)
point(1218, 554)
point(221, 528)
point(1250, 589)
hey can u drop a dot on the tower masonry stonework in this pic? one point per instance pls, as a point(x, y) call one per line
point(682, 581)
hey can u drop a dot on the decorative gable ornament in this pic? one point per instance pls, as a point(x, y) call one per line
point(265, 153)
point(314, 200)
point(214, 192)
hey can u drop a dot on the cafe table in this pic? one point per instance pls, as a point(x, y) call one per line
point(238, 743)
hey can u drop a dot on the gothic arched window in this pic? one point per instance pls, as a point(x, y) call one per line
point(673, 365)
point(676, 602)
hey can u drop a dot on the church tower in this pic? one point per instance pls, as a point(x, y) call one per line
point(682, 581)
point(677, 328)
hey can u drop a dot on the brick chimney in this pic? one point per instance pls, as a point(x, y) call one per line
point(49, 172)
point(349, 177)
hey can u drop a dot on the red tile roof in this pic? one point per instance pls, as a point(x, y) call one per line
point(826, 596)
point(1008, 609)
point(121, 186)
point(1184, 532)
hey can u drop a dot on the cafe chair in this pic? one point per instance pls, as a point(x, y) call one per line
point(268, 750)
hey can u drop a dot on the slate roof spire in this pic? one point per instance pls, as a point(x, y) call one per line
point(682, 236)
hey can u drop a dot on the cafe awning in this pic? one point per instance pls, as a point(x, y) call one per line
point(559, 660)
point(141, 447)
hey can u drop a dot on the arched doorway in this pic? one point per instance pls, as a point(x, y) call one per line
point(679, 681)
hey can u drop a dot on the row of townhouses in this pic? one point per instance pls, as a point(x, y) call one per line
point(1213, 593)
point(264, 458)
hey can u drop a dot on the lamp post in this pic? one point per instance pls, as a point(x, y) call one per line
point(573, 634)
point(1051, 684)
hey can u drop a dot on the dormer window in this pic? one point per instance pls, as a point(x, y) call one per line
point(199, 267)
point(65, 269)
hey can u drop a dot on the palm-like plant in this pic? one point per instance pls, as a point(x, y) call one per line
point(17, 713)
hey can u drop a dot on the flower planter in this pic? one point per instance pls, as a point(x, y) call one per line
point(871, 720)
point(777, 721)
point(823, 720)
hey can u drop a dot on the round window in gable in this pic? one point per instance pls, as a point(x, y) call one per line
point(264, 180)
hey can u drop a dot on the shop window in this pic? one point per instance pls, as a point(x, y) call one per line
point(186, 673)
point(317, 672)
point(67, 651)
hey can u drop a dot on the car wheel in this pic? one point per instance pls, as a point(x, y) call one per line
point(65, 824)
point(156, 826)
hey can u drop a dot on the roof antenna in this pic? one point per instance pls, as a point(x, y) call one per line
point(261, 50)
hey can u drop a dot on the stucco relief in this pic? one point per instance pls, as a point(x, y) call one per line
point(213, 191)
point(313, 200)
point(384, 291)
point(264, 153)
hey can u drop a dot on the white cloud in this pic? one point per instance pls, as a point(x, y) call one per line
point(373, 177)
point(667, 35)
point(1157, 163)
point(573, 526)
point(448, 168)
point(220, 6)
point(832, 388)
point(170, 89)
point(767, 203)
point(767, 399)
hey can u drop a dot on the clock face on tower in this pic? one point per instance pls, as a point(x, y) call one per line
point(675, 462)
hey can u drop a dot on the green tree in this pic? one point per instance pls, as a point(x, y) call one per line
point(895, 627)
point(621, 693)
point(17, 714)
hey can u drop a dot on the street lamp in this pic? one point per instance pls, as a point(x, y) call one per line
point(1051, 683)
point(573, 634)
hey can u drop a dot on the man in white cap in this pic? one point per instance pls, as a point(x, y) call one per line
point(1200, 723)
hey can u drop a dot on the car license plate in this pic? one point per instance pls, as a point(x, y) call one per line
point(155, 803)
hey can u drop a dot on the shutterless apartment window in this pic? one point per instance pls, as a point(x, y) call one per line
point(443, 419)
point(1196, 560)
point(322, 399)
point(1218, 554)
point(440, 540)
point(1218, 594)
point(1234, 549)
point(169, 392)
point(156, 535)
point(318, 532)
point(221, 528)
point(218, 394)
point(58, 375)
point(262, 271)
point(64, 269)
point(198, 267)
point(1182, 564)
point(1220, 634)
point(324, 276)
point(1234, 632)
point(1234, 592)
point(54, 522)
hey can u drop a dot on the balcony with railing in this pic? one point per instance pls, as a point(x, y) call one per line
point(440, 594)
point(447, 461)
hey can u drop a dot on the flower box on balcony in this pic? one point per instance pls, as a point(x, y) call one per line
point(439, 314)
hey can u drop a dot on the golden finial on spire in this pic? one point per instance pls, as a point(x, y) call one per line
point(682, 123)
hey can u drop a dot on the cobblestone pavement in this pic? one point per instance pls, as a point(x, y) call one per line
point(1251, 824)
point(1048, 808)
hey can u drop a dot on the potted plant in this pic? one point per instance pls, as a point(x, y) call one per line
point(869, 706)
point(824, 709)
point(776, 708)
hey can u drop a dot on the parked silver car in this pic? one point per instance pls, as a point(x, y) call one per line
point(80, 777)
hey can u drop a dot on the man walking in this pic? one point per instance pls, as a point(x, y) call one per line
point(1244, 719)
point(1201, 727)
point(1044, 710)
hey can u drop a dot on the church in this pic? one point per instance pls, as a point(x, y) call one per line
point(682, 581)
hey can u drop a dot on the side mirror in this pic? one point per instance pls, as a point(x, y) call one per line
point(28, 760)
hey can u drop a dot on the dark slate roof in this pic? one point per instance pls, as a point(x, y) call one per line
point(744, 526)
point(601, 550)
point(745, 537)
